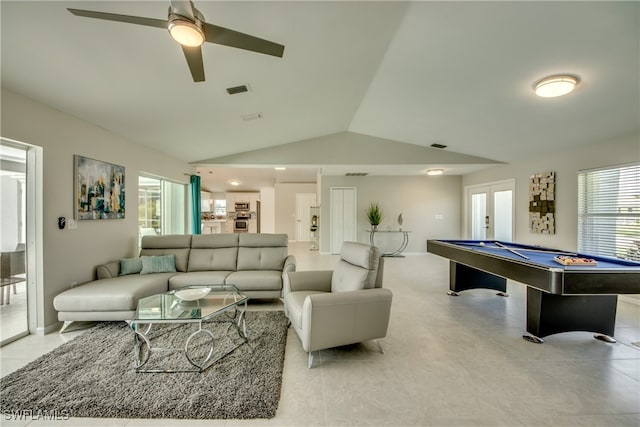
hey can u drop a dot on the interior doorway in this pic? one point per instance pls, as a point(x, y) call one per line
point(304, 202)
point(14, 320)
point(490, 211)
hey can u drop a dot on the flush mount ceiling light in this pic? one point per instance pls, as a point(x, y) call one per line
point(553, 86)
point(234, 183)
point(433, 172)
point(280, 169)
point(185, 32)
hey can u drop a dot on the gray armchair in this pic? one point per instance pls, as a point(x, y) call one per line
point(344, 306)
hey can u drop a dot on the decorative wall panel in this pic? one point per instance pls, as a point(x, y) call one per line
point(542, 203)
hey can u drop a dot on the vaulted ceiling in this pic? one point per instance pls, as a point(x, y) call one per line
point(455, 73)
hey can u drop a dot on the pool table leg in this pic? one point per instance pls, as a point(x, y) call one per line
point(462, 277)
point(549, 314)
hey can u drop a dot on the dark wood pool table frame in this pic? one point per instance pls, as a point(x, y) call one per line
point(558, 299)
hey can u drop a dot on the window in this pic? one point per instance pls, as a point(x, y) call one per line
point(162, 206)
point(609, 212)
point(220, 208)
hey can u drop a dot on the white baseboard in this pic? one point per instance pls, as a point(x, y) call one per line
point(54, 327)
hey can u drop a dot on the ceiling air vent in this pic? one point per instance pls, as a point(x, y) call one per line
point(254, 116)
point(356, 174)
point(438, 146)
point(237, 89)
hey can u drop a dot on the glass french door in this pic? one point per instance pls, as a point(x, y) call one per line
point(13, 230)
point(490, 211)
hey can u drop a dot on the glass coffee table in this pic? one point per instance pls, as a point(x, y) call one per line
point(194, 304)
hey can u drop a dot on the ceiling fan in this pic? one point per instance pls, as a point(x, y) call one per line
point(187, 26)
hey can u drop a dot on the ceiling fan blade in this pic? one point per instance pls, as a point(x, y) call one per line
point(194, 60)
point(183, 8)
point(149, 22)
point(227, 37)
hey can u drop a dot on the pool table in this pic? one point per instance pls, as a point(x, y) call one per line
point(559, 298)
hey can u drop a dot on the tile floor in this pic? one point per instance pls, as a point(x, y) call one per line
point(448, 361)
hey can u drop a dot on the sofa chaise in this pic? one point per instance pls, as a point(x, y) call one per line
point(255, 263)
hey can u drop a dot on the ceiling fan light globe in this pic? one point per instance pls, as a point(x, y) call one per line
point(186, 33)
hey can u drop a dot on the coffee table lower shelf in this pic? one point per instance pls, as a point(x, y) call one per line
point(144, 338)
point(231, 311)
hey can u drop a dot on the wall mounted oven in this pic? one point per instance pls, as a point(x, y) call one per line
point(240, 226)
point(241, 223)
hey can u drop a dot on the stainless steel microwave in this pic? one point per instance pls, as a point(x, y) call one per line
point(242, 206)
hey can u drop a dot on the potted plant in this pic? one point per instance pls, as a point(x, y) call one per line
point(374, 214)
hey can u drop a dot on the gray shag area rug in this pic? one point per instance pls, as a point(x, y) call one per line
point(93, 375)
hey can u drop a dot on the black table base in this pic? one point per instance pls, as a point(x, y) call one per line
point(547, 314)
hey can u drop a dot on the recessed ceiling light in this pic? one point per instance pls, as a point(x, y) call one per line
point(553, 86)
point(253, 116)
point(432, 172)
point(234, 183)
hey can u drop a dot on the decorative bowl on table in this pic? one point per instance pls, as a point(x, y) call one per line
point(191, 294)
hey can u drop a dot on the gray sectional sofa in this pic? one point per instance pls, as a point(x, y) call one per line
point(255, 263)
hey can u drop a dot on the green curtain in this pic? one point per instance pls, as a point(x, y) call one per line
point(196, 218)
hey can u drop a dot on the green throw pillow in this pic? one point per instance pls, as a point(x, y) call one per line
point(158, 264)
point(130, 266)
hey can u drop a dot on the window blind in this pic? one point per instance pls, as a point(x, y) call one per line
point(609, 212)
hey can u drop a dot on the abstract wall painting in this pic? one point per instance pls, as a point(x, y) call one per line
point(99, 189)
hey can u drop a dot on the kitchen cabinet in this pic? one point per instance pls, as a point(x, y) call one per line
point(242, 198)
point(213, 227)
point(206, 203)
point(253, 199)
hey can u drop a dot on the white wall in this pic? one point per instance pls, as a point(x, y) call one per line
point(267, 210)
point(566, 165)
point(71, 255)
point(285, 206)
point(419, 198)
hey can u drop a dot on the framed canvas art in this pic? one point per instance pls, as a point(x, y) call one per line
point(99, 189)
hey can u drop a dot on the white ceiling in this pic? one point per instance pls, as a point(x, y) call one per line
point(456, 73)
